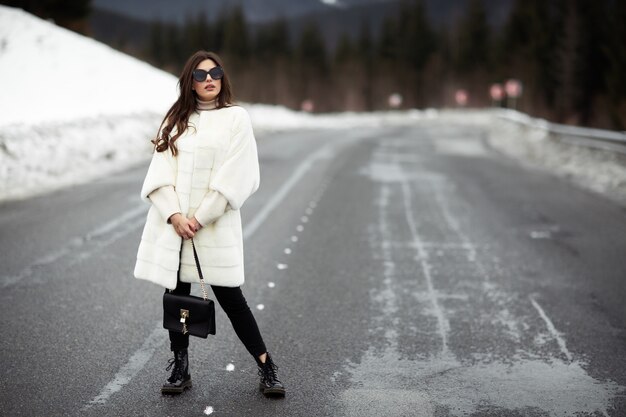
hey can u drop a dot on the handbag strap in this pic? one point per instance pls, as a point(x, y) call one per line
point(195, 256)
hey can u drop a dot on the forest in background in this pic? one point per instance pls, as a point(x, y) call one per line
point(570, 56)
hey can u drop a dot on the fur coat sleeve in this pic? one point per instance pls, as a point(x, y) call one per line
point(161, 173)
point(238, 177)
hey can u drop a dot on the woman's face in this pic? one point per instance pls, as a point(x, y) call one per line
point(209, 88)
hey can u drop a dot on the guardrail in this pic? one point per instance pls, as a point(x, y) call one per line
point(607, 140)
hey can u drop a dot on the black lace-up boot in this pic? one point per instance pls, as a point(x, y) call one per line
point(270, 385)
point(180, 379)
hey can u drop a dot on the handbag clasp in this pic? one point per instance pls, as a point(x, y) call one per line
point(184, 314)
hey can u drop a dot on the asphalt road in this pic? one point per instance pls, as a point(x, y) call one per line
point(400, 271)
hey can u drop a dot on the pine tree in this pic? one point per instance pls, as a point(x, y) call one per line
point(70, 14)
point(594, 60)
point(236, 37)
point(312, 48)
point(417, 43)
point(345, 51)
point(388, 42)
point(568, 56)
point(473, 39)
point(366, 62)
point(416, 35)
point(272, 41)
point(270, 68)
point(365, 44)
point(218, 32)
point(529, 43)
point(173, 49)
point(156, 47)
point(200, 33)
point(615, 77)
point(312, 66)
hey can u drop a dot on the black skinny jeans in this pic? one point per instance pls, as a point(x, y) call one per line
point(234, 304)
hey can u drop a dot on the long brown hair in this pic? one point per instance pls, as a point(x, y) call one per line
point(178, 115)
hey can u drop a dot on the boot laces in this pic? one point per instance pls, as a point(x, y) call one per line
point(267, 371)
point(177, 372)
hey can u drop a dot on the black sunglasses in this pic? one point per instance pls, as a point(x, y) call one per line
point(216, 73)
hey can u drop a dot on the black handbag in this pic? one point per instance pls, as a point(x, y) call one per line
point(188, 314)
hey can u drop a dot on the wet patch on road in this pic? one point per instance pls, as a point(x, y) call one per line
point(386, 384)
point(480, 348)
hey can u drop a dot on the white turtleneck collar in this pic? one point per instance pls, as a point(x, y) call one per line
point(205, 105)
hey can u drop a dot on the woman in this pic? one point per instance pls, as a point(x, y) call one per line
point(204, 167)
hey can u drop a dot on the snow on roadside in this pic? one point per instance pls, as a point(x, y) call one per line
point(73, 109)
point(50, 74)
point(529, 141)
point(41, 158)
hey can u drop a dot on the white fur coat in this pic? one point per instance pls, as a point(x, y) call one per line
point(217, 151)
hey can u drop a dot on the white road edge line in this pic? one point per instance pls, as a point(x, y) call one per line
point(139, 359)
point(132, 367)
point(553, 331)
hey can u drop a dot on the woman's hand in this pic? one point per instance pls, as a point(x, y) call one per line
point(195, 224)
point(183, 226)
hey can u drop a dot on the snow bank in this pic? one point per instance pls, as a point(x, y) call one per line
point(537, 144)
point(73, 109)
point(36, 159)
point(267, 117)
point(50, 74)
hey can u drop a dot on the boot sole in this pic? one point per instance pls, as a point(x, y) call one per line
point(272, 392)
point(176, 390)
